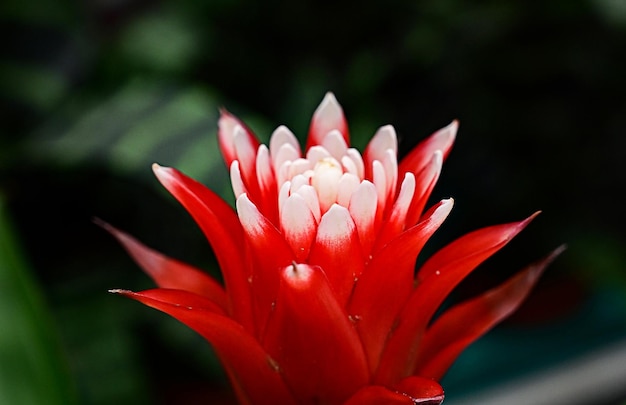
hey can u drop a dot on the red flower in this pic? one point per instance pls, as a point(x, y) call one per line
point(321, 302)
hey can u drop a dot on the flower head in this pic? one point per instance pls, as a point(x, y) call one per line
point(321, 303)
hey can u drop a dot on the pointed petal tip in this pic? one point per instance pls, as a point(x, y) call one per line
point(163, 173)
point(101, 223)
point(157, 168)
point(329, 107)
point(453, 128)
point(555, 253)
point(449, 132)
point(531, 217)
point(448, 203)
point(225, 114)
point(329, 97)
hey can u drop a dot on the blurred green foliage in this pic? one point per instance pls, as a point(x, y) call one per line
point(91, 93)
point(32, 367)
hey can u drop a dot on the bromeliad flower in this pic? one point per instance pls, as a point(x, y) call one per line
point(321, 303)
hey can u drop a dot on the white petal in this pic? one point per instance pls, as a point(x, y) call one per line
point(283, 193)
point(282, 174)
point(235, 179)
point(336, 227)
point(379, 178)
point(403, 202)
point(283, 136)
point(429, 174)
point(299, 166)
point(328, 115)
point(310, 196)
point(264, 173)
point(244, 149)
point(334, 143)
point(327, 174)
point(297, 182)
point(358, 161)
point(385, 138)
point(390, 163)
point(347, 184)
point(349, 166)
point(362, 207)
point(298, 225)
point(285, 153)
point(249, 216)
point(317, 153)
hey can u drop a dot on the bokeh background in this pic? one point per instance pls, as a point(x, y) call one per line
point(93, 92)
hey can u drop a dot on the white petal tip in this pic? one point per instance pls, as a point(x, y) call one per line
point(452, 128)
point(329, 108)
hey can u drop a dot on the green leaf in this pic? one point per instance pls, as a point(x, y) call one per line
point(32, 368)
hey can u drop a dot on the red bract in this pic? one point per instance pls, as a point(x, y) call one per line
point(321, 303)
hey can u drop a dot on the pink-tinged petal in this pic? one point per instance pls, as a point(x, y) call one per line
point(297, 181)
point(355, 156)
point(298, 226)
point(310, 196)
point(282, 162)
point(410, 391)
point(396, 221)
point(246, 156)
point(170, 273)
point(269, 252)
point(348, 183)
point(316, 153)
point(249, 366)
point(349, 166)
point(328, 116)
point(435, 280)
point(312, 340)
point(337, 250)
point(362, 208)
point(425, 183)
point(283, 138)
point(461, 325)
point(384, 139)
point(223, 231)
point(388, 278)
point(419, 157)
point(335, 144)
point(226, 135)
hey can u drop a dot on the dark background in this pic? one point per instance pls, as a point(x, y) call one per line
point(93, 92)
